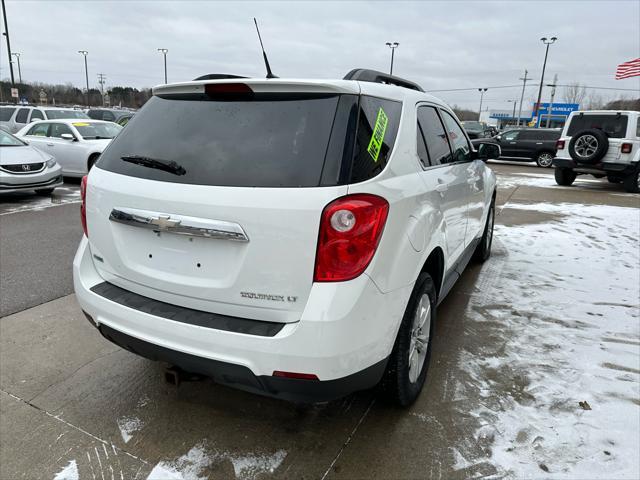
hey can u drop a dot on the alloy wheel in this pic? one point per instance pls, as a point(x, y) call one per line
point(586, 146)
point(419, 343)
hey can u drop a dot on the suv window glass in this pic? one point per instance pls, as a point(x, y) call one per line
point(613, 125)
point(434, 135)
point(21, 116)
point(459, 143)
point(37, 115)
point(108, 116)
point(423, 154)
point(530, 135)
point(264, 141)
point(39, 130)
point(377, 128)
point(5, 113)
point(95, 114)
point(57, 129)
point(62, 114)
point(510, 136)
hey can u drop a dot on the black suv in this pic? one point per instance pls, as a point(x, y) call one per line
point(529, 144)
point(109, 114)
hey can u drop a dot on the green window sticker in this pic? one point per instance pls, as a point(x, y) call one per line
point(375, 144)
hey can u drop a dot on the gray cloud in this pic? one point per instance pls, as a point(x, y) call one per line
point(454, 44)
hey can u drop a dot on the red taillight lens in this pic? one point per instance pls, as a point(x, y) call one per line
point(227, 90)
point(560, 145)
point(83, 205)
point(350, 230)
point(295, 375)
point(626, 147)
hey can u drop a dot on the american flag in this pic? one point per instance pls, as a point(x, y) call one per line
point(628, 69)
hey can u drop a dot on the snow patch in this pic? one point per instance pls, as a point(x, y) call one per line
point(194, 464)
point(128, 426)
point(70, 472)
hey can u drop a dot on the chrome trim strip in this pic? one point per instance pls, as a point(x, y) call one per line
point(179, 224)
point(28, 172)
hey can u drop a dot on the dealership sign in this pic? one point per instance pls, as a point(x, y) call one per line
point(558, 109)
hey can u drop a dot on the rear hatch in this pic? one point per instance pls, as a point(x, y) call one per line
point(211, 197)
point(613, 124)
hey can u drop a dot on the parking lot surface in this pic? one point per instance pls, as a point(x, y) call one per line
point(535, 370)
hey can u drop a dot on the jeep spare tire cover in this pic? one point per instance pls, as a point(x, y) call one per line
point(589, 146)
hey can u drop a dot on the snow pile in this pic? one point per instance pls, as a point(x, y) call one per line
point(194, 465)
point(128, 426)
point(558, 374)
point(70, 472)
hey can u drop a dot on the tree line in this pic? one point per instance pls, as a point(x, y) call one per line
point(68, 95)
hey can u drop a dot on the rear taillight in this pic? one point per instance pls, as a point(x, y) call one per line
point(295, 375)
point(560, 145)
point(83, 205)
point(350, 230)
point(626, 147)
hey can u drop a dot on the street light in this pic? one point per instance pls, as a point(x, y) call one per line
point(513, 115)
point(17, 55)
point(547, 42)
point(481, 90)
point(393, 47)
point(164, 53)
point(86, 71)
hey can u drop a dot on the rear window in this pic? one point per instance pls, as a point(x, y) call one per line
point(270, 140)
point(613, 125)
point(5, 113)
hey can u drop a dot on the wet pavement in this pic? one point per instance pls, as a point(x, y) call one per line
point(535, 372)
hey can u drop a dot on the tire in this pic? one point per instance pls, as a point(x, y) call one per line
point(544, 159)
point(91, 162)
point(404, 378)
point(631, 183)
point(45, 192)
point(589, 146)
point(565, 176)
point(611, 179)
point(483, 250)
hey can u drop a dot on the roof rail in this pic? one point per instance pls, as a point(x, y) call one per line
point(217, 76)
point(366, 75)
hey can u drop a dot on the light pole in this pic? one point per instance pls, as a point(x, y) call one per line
point(6, 34)
point(393, 47)
point(481, 90)
point(547, 42)
point(513, 115)
point(84, 53)
point(17, 55)
point(164, 53)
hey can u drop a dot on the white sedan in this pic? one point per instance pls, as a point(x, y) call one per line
point(75, 144)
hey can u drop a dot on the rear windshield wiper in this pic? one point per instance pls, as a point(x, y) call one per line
point(167, 166)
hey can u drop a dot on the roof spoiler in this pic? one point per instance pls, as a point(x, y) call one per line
point(217, 76)
point(366, 75)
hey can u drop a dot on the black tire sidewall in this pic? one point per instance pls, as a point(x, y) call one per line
point(564, 176)
point(601, 151)
point(630, 183)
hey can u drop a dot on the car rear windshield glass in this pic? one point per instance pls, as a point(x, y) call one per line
point(613, 125)
point(269, 140)
point(5, 113)
point(58, 114)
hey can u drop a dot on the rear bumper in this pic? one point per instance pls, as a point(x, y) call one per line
point(621, 169)
point(344, 337)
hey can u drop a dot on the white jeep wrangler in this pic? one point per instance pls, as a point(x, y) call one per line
point(603, 143)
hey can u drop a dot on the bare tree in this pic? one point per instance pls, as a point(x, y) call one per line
point(595, 101)
point(574, 93)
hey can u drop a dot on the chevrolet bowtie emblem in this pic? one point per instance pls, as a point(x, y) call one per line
point(164, 222)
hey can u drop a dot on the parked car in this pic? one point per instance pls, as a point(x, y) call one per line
point(477, 129)
point(122, 121)
point(528, 145)
point(289, 238)
point(23, 167)
point(75, 144)
point(602, 143)
point(110, 114)
point(13, 118)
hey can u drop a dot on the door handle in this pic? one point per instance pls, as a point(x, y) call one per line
point(512, 143)
point(538, 143)
point(442, 187)
point(50, 144)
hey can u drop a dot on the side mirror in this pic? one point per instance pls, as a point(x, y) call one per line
point(67, 136)
point(488, 151)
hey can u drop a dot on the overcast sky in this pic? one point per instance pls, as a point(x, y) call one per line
point(443, 45)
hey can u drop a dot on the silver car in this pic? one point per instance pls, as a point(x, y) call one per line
point(15, 117)
point(23, 167)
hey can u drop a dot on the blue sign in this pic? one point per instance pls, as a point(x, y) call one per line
point(558, 109)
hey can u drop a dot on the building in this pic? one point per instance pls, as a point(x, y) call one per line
point(504, 118)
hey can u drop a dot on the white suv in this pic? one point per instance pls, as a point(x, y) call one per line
point(285, 237)
point(603, 143)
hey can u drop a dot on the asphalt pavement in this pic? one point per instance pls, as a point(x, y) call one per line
point(72, 402)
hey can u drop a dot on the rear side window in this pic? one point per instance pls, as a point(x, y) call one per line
point(95, 114)
point(613, 125)
point(37, 115)
point(21, 116)
point(457, 138)
point(434, 135)
point(5, 113)
point(108, 116)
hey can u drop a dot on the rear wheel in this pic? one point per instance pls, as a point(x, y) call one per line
point(632, 182)
point(544, 159)
point(483, 250)
point(565, 176)
point(409, 360)
point(612, 179)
